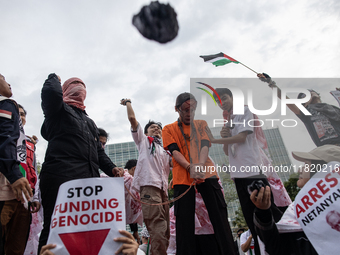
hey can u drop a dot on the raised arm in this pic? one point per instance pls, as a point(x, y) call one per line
point(130, 113)
point(51, 95)
point(272, 84)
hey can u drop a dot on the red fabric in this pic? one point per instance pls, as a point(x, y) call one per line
point(31, 174)
point(150, 140)
point(74, 92)
point(230, 58)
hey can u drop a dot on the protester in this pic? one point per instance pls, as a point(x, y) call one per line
point(203, 227)
point(15, 217)
point(131, 166)
point(151, 179)
point(103, 137)
point(237, 241)
point(133, 208)
point(74, 150)
point(145, 246)
point(323, 125)
point(36, 214)
point(129, 246)
point(241, 144)
point(247, 243)
point(10, 132)
point(287, 237)
point(189, 146)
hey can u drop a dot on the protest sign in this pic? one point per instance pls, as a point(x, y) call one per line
point(317, 208)
point(87, 216)
point(336, 95)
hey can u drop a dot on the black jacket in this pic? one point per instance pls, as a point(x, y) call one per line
point(295, 243)
point(73, 148)
point(9, 134)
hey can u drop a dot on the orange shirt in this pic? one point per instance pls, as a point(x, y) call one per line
point(172, 134)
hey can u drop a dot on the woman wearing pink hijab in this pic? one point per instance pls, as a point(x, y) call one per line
point(74, 150)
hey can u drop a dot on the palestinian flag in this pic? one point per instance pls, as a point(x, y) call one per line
point(219, 59)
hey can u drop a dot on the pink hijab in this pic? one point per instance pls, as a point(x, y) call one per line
point(74, 93)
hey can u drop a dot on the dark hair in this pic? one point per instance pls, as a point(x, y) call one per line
point(130, 164)
point(181, 98)
point(102, 132)
point(20, 106)
point(303, 95)
point(240, 229)
point(222, 91)
point(151, 122)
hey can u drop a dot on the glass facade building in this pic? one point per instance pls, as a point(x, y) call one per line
point(120, 153)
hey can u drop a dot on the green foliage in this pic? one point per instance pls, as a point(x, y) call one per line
point(239, 220)
point(38, 166)
point(291, 186)
point(229, 188)
point(170, 190)
point(231, 198)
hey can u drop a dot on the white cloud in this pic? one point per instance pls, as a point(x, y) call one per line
point(96, 41)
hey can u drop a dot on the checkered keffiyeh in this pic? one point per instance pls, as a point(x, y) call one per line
point(145, 233)
point(74, 92)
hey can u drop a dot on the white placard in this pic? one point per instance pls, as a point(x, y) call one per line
point(336, 94)
point(87, 216)
point(317, 209)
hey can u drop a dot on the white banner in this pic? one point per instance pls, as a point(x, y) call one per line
point(336, 95)
point(317, 208)
point(87, 216)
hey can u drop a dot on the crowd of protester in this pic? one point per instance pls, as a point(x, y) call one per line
point(198, 221)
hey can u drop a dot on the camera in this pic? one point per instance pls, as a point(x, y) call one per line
point(255, 185)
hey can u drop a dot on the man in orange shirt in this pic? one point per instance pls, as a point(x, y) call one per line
point(189, 144)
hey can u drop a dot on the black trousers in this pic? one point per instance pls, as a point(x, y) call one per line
point(186, 241)
point(49, 186)
point(248, 206)
point(2, 241)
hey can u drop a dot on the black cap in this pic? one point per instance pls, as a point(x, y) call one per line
point(301, 95)
point(181, 98)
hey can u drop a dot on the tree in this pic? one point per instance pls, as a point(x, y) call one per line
point(291, 186)
point(170, 190)
point(38, 166)
point(239, 220)
point(230, 193)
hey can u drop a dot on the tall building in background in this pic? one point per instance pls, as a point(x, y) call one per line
point(120, 153)
point(278, 151)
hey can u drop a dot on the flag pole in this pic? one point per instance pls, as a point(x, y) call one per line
point(248, 68)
